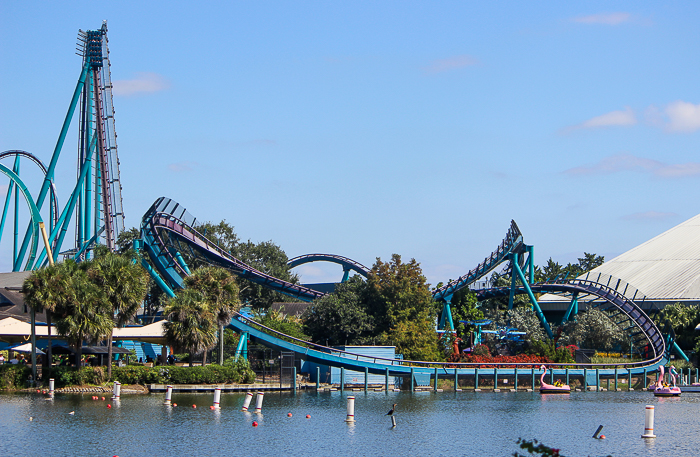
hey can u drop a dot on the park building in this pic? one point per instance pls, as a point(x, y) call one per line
point(659, 272)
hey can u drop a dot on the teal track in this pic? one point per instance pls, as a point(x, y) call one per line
point(167, 230)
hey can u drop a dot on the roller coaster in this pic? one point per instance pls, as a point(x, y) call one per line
point(167, 231)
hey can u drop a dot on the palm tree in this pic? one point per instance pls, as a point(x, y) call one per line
point(221, 292)
point(122, 285)
point(192, 323)
point(41, 292)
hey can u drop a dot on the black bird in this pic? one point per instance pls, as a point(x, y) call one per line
point(391, 411)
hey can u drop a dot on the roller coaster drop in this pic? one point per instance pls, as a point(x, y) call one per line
point(167, 230)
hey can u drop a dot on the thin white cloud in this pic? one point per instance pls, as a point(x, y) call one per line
point(143, 83)
point(683, 116)
point(620, 118)
point(649, 216)
point(181, 167)
point(452, 63)
point(628, 162)
point(604, 19)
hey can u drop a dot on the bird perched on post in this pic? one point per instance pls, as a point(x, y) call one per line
point(391, 411)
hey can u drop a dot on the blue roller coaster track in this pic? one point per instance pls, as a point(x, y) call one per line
point(168, 230)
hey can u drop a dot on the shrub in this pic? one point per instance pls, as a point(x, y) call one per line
point(14, 376)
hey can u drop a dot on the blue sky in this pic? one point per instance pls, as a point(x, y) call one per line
point(371, 128)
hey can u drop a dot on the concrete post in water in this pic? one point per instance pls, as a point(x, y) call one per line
point(649, 422)
point(515, 381)
point(246, 402)
point(168, 395)
point(386, 380)
point(116, 390)
point(585, 379)
point(597, 380)
point(366, 378)
point(412, 379)
point(217, 397)
point(615, 379)
point(476, 378)
point(532, 370)
point(644, 383)
point(258, 402)
point(294, 380)
point(567, 376)
point(51, 386)
point(342, 378)
point(351, 410)
point(318, 378)
point(495, 378)
point(456, 380)
point(436, 378)
point(393, 421)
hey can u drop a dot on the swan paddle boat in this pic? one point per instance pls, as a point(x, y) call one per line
point(664, 390)
point(556, 388)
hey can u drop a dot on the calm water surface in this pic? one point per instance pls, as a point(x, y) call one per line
point(429, 424)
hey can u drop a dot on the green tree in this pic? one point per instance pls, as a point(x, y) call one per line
point(340, 317)
point(403, 308)
point(76, 302)
point(683, 319)
point(594, 330)
point(525, 320)
point(122, 286)
point(289, 325)
point(265, 256)
point(464, 307)
point(221, 292)
point(192, 323)
point(590, 261)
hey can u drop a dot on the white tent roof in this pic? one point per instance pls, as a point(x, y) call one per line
point(13, 330)
point(665, 268)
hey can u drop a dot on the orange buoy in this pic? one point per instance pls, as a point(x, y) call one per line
point(103, 398)
point(308, 416)
point(109, 406)
point(289, 414)
point(194, 406)
point(211, 407)
point(174, 404)
point(602, 437)
point(255, 424)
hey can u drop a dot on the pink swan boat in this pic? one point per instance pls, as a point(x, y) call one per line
point(663, 390)
point(552, 389)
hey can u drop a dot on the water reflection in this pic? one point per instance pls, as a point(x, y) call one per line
point(463, 423)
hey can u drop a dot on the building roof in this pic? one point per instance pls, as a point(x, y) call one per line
point(665, 268)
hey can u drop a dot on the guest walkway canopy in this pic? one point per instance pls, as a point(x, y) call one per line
point(14, 331)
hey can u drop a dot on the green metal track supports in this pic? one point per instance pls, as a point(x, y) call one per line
point(532, 371)
point(567, 376)
point(615, 379)
point(476, 378)
point(533, 300)
point(8, 197)
point(531, 263)
point(572, 306)
point(511, 296)
point(515, 381)
point(386, 380)
point(435, 387)
point(495, 377)
point(413, 379)
point(33, 210)
point(242, 348)
point(366, 378)
point(62, 227)
point(446, 316)
point(346, 275)
point(52, 165)
point(456, 380)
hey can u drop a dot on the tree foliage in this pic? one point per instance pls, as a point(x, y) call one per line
point(192, 324)
point(683, 319)
point(404, 312)
point(464, 307)
point(265, 256)
point(525, 320)
point(593, 329)
point(76, 303)
point(341, 318)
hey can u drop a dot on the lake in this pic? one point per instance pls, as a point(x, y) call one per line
point(428, 424)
